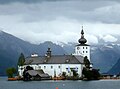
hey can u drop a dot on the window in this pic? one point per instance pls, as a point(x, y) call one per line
point(51, 67)
point(78, 48)
point(83, 47)
point(67, 60)
point(86, 47)
point(83, 51)
point(59, 67)
point(44, 67)
point(39, 67)
point(86, 51)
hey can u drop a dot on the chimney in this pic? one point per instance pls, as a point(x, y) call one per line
point(48, 53)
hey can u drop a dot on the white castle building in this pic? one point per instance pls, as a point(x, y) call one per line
point(55, 65)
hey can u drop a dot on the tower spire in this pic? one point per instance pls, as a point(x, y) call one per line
point(82, 32)
point(82, 40)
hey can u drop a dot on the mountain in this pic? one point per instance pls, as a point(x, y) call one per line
point(11, 47)
point(56, 49)
point(115, 70)
point(104, 55)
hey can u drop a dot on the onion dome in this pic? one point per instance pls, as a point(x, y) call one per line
point(82, 40)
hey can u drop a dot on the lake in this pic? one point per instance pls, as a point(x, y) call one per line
point(100, 84)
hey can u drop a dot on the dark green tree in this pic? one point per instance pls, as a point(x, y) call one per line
point(64, 74)
point(86, 62)
point(92, 74)
point(89, 73)
point(75, 74)
point(10, 72)
point(21, 60)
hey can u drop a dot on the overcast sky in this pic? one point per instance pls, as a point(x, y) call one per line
point(60, 20)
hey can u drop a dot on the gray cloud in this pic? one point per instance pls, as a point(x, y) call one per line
point(59, 20)
point(80, 10)
point(29, 1)
point(21, 1)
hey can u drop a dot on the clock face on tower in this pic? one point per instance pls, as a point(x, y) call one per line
point(78, 48)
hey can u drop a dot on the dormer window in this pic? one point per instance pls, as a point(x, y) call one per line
point(34, 55)
point(45, 60)
point(67, 60)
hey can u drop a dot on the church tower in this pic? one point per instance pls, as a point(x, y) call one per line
point(82, 48)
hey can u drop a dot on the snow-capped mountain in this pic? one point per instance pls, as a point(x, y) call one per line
point(103, 55)
point(11, 47)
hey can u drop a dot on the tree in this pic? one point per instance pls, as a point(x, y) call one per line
point(75, 74)
point(63, 74)
point(21, 60)
point(89, 73)
point(10, 72)
point(86, 62)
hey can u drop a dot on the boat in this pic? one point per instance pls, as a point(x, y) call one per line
point(58, 78)
point(12, 79)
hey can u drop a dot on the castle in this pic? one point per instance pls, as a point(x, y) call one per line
point(55, 65)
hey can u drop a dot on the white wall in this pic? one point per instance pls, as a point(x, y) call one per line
point(83, 51)
point(20, 70)
point(57, 69)
point(79, 66)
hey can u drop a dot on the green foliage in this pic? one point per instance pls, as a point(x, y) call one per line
point(21, 60)
point(75, 74)
point(92, 74)
point(89, 73)
point(86, 62)
point(10, 72)
point(64, 74)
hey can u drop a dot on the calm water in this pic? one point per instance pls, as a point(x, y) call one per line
point(101, 84)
